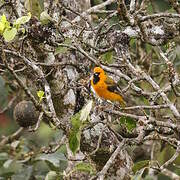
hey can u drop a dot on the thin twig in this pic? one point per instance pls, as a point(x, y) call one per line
point(172, 159)
point(12, 137)
point(99, 142)
point(9, 105)
point(103, 172)
point(38, 123)
point(159, 15)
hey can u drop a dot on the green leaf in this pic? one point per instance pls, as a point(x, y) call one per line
point(10, 167)
point(132, 42)
point(2, 27)
point(3, 19)
point(3, 23)
point(3, 93)
point(107, 57)
point(7, 175)
point(9, 34)
point(52, 160)
point(24, 173)
point(23, 19)
point(74, 140)
point(3, 156)
point(85, 167)
point(35, 7)
point(75, 133)
point(166, 153)
point(139, 165)
point(86, 110)
point(75, 121)
point(7, 163)
point(45, 18)
point(23, 30)
point(62, 50)
point(51, 175)
point(160, 6)
point(40, 94)
point(148, 177)
point(128, 122)
point(68, 41)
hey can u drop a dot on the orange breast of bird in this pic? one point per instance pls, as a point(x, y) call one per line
point(104, 88)
point(101, 90)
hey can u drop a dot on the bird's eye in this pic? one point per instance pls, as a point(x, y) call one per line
point(96, 78)
point(96, 74)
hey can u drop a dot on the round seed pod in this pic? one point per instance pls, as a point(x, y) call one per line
point(25, 114)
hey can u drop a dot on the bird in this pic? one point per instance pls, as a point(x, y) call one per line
point(105, 87)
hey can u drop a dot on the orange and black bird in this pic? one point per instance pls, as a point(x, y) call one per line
point(105, 87)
